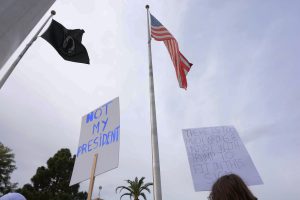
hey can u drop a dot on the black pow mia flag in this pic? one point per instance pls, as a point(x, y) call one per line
point(67, 42)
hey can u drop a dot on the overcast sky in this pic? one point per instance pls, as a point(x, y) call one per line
point(245, 73)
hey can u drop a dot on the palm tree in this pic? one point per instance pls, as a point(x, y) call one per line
point(135, 188)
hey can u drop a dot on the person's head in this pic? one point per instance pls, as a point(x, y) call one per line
point(13, 196)
point(230, 187)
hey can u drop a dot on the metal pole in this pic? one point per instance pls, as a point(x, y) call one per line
point(13, 66)
point(154, 141)
point(100, 188)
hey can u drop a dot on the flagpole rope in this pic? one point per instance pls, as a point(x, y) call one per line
point(15, 63)
point(157, 194)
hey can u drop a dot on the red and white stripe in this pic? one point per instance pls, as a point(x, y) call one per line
point(181, 64)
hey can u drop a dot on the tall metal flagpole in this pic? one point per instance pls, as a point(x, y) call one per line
point(13, 66)
point(154, 141)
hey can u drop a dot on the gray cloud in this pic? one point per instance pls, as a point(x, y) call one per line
point(245, 74)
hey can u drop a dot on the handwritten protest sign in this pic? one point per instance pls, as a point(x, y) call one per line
point(216, 151)
point(100, 133)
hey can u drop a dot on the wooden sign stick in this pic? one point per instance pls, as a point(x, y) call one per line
point(92, 177)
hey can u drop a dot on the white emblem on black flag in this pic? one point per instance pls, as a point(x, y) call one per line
point(67, 42)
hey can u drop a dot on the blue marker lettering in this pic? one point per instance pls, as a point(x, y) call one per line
point(109, 134)
point(104, 139)
point(89, 145)
point(95, 115)
point(116, 133)
point(106, 107)
point(84, 148)
point(96, 126)
point(96, 142)
point(78, 150)
point(89, 117)
point(105, 123)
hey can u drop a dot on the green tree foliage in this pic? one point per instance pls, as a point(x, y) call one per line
point(135, 188)
point(7, 166)
point(52, 182)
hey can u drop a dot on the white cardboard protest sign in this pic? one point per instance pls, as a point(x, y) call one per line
point(216, 151)
point(100, 133)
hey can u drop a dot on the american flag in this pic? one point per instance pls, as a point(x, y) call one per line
point(181, 64)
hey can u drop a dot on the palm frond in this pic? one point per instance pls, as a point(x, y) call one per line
point(120, 188)
point(135, 188)
point(145, 188)
point(126, 194)
point(143, 195)
point(147, 184)
point(142, 179)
